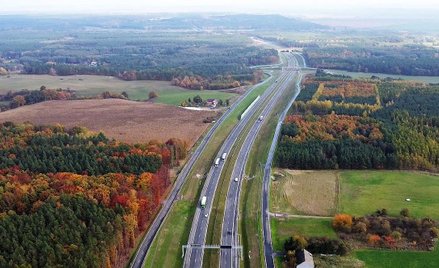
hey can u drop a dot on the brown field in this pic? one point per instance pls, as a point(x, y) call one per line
point(127, 121)
point(304, 192)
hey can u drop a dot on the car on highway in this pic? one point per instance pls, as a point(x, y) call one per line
point(217, 161)
point(236, 179)
point(205, 215)
point(261, 118)
point(223, 157)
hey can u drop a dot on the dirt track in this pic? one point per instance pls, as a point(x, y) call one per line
point(128, 121)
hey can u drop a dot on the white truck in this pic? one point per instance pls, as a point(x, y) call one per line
point(223, 157)
point(217, 161)
point(203, 201)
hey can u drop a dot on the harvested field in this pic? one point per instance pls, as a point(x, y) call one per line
point(127, 121)
point(304, 192)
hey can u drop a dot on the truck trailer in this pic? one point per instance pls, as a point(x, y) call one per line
point(203, 201)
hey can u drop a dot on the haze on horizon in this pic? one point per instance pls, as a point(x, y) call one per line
point(311, 8)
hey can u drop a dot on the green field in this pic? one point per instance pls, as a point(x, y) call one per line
point(426, 79)
point(397, 259)
point(281, 229)
point(171, 234)
point(362, 192)
point(92, 85)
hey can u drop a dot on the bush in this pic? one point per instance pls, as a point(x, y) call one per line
point(323, 245)
point(342, 222)
point(404, 212)
point(152, 95)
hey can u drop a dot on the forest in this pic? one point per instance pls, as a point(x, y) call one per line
point(212, 61)
point(399, 131)
point(403, 60)
point(102, 191)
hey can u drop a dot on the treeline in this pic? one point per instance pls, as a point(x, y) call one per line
point(27, 97)
point(405, 60)
point(151, 57)
point(404, 133)
point(102, 191)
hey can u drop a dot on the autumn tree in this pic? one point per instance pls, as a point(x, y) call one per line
point(342, 222)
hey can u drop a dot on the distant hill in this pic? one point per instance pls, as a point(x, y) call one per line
point(163, 22)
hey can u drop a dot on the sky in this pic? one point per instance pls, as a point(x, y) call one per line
point(285, 7)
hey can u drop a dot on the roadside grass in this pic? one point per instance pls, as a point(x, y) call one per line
point(190, 191)
point(171, 233)
point(284, 228)
point(397, 259)
point(304, 192)
point(250, 205)
point(363, 192)
point(92, 85)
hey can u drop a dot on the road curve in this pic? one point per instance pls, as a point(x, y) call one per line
point(143, 248)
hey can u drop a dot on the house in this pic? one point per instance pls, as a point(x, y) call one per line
point(304, 259)
point(212, 103)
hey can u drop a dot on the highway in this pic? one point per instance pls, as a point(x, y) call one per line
point(181, 179)
point(266, 232)
point(194, 254)
point(229, 234)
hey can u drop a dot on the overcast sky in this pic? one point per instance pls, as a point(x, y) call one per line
point(286, 7)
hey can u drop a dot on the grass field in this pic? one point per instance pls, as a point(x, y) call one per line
point(304, 192)
point(284, 228)
point(426, 79)
point(92, 85)
point(362, 192)
point(128, 121)
point(397, 259)
point(171, 234)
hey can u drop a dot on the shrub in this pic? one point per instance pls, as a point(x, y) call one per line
point(373, 240)
point(323, 245)
point(404, 212)
point(152, 95)
point(342, 222)
point(396, 235)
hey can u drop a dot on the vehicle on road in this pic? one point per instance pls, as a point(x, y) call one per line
point(236, 179)
point(203, 201)
point(261, 118)
point(223, 157)
point(217, 161)
point(205, 215)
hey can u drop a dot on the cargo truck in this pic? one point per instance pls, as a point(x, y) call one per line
point(203, 201)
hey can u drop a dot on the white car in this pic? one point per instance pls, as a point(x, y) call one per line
point(236, 179)
point(205, 215)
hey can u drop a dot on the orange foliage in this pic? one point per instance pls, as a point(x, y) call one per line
point(349, 89)
point(342, 222)
point(333, 126)
point(373, 240)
